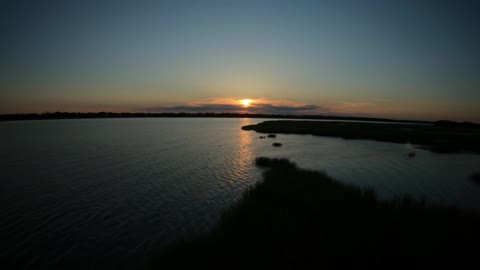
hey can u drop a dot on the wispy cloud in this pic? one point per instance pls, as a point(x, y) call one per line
point(261, 105)
point(355, 108)
point(269, 106)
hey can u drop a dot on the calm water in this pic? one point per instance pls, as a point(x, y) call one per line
point(96, 193)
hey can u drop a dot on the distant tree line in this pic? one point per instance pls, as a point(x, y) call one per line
point(78, 115)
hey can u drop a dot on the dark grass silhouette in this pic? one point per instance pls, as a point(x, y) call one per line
point(440, 138)
point(476, 177)
point(298, 218)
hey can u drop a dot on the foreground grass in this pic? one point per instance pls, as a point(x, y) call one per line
point(476, 177)
point(438, 138)
point(298, 218)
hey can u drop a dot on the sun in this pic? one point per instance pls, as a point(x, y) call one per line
point(246, 102)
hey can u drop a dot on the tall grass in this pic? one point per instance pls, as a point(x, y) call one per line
point(298, 218)
point(476, 177)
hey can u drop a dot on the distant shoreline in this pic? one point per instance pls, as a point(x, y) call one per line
point(103, 115)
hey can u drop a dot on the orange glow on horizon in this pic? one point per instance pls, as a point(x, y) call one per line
point(246, 102)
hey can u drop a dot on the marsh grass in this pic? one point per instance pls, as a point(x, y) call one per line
point(476, 177)
point(298, 218)
point(437, 138)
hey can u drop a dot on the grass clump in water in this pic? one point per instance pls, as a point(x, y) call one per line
point(298, 218)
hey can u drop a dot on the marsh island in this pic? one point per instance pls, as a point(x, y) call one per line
point(440, 137)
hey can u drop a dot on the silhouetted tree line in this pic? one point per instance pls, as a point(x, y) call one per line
point(446, 123)
point(77, 115)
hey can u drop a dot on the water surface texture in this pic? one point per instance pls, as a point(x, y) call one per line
point(108, 192)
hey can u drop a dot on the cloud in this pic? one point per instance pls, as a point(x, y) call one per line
point(273, 109)
point(378, 109)
point(354, 107)
point(383, 109)
point(198, 108)
point(260, 106)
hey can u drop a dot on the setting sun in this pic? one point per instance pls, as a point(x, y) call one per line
point(246, 102)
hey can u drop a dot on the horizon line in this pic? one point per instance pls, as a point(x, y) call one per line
point(105, 114)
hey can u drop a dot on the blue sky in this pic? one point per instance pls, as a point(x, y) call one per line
point(399, 59)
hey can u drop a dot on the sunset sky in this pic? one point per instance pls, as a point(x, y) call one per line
point(396, 59)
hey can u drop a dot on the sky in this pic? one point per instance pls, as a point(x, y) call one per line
point(396, 59)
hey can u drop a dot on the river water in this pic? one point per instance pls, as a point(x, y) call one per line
point(108, 193)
